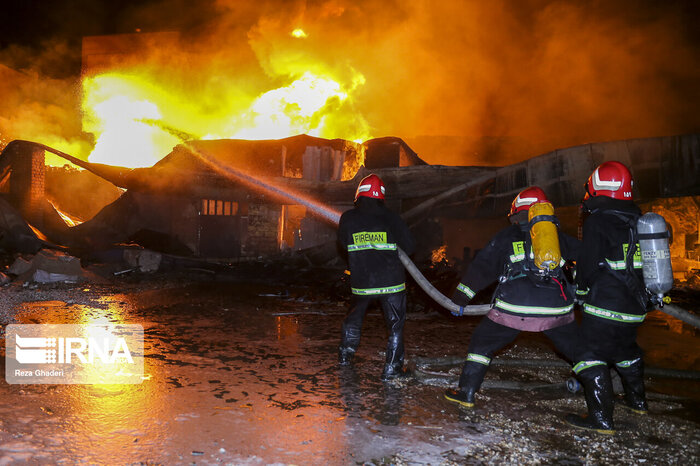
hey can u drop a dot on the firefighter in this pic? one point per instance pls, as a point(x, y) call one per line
point(370, 234)
point(526, 298)
point(609, 281)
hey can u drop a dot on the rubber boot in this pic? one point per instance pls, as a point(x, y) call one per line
point(597, 387)
point(393, 368)
point(633, 383)
point(469, 383)
point(350, 335)
point(392, 372)
point(345, 355)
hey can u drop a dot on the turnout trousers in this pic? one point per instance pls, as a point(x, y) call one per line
point(489, 337)
point(394, 309)
point(603, 344)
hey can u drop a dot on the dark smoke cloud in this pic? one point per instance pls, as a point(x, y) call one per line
point(463, 81)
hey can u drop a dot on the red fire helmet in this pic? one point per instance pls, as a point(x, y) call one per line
point(526, 198)
point(370, 186)
point(611, 179)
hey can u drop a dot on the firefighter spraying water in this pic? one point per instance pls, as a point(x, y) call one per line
point(532, 293)
point(370, 235)
point(333, 217)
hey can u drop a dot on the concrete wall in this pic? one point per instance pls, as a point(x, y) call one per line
point(661, 167)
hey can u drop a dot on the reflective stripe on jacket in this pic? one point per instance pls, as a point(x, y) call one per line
point(371, 234)
point(521, 294)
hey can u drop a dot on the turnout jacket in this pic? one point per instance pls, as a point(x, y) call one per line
point(370, 234)
point(602, 275)
point(522, 300)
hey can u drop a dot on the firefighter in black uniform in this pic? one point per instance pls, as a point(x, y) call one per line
point(370, 234)
point(609, 280)
point(524, 300)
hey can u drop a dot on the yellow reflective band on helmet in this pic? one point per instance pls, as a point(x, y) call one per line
point(582, 292)
point(583, 365)
point(466, 290)
point(612, 315)
point(473, 357)
point(376, 291)
point(518, 309)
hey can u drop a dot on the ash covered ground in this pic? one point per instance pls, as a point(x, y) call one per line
point(242, 371)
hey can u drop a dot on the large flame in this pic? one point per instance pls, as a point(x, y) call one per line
point(116, 111)
point(136, 121)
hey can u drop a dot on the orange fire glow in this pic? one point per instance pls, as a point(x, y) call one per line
point(439, 255)
point(136, 120)
point(463, 83)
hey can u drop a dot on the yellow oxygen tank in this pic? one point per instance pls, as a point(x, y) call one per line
point(544, 236)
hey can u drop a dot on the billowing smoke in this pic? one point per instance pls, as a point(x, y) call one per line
point(38, 107)
point(464, 82)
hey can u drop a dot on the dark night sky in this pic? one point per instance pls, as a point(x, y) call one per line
point(35, 23)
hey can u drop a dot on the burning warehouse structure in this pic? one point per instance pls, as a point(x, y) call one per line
point(215, 215)
point(262, 201)
point(183, 205)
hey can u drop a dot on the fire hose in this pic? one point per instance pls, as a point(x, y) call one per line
point(441, 299)
point(482, 309)
point(681, 314)
point(426, 371)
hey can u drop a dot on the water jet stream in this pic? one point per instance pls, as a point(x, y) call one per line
point(333, 217)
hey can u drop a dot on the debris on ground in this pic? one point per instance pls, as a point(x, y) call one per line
point(47, 266)
point(142, 259)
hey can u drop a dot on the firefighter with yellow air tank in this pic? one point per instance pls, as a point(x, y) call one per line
point(533, 293)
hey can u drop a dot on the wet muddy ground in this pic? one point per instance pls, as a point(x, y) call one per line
point(247, 374)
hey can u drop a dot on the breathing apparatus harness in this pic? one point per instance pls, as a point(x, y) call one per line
point(628, 276)
point(540, 277)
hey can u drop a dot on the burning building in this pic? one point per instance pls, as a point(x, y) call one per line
point(239, 199)
point(184, 205)
point(207, 213)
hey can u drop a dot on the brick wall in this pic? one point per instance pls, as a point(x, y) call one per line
point(27, 181)
point(263, 230)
